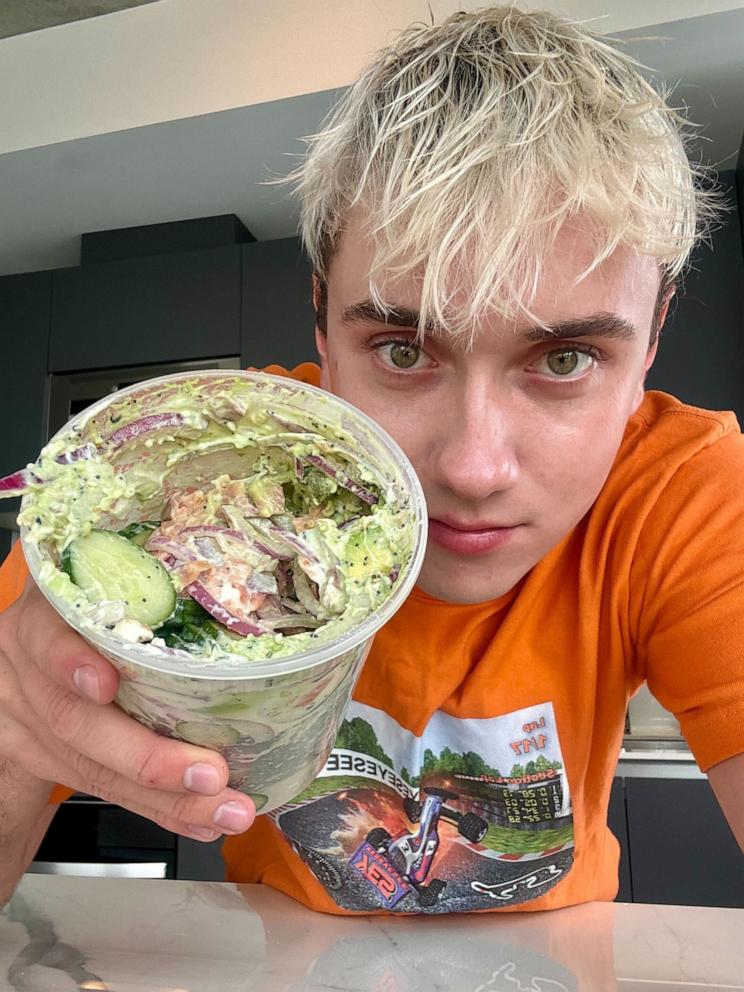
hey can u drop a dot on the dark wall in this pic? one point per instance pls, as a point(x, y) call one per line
point(701, 353)
point(278, 320)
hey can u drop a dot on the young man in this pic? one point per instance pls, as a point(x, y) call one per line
point(497, 216)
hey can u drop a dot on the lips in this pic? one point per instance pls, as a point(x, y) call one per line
point(469, 538)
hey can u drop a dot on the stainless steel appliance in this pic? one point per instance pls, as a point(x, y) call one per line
point(69, 393)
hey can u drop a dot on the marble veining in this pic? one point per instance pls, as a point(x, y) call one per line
point(61, 934)
point(44, 949)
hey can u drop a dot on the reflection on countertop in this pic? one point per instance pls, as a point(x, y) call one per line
point(131, 935)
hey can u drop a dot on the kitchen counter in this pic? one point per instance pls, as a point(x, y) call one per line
point(140, 935)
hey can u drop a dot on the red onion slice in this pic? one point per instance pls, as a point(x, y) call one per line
point(209, 549)
point(220, 613)
point(288, 425)
point(84, 453)
point(216, 532)
point(17, 483)
point(173, 548)
point(213, 530)
point(145, 425)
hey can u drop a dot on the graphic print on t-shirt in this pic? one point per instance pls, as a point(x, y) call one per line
point(473, 814)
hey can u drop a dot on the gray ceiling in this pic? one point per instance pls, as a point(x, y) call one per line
point(197, 167)
point(21, 16)
point(219, 163)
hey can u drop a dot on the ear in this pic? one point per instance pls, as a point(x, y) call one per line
point(321, 343)
point(651, 353)
point(321, 338)
point(663, 311)
point(316, 291)
point(647, 363)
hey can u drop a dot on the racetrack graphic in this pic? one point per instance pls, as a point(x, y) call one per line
point(472, 814)
point(506, 891)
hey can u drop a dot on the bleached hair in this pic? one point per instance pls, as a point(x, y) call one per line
point(468, 144)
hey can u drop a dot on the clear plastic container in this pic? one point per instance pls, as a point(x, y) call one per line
point(274, 720)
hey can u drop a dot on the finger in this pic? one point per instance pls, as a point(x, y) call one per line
point(228, 812)
point(68, 660)
point(105, 736)
point(193, 831)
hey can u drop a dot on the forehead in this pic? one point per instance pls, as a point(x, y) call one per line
point(625, 282)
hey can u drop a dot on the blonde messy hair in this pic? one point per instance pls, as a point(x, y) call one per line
point(469, 143)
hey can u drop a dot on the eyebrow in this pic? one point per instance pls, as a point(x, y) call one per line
point(367, 313)
point(602, 325)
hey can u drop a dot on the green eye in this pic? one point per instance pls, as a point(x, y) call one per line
point(563, 362)
point(404, 356)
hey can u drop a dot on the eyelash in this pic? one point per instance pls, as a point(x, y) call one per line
point(586, 349)
point(583, 349)
point(377, 344)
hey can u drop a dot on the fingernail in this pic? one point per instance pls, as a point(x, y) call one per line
point(203, 833)
point(232, 816)
point(203, 778)
point(86, 682)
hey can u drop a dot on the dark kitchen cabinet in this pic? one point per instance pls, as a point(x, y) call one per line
point(701, 353)
point(24, 340)
point(146, 310)
point(278, 320)
point(90, 831)
point(740, 186)
point(199, 862)
point(618, 824)
point(682, 849)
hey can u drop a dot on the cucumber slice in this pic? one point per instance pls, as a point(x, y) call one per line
point(139, 533)
point(187, 611)
point(207, 734)
point(106, 565)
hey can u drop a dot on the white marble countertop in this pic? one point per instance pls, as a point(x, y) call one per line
point(139, 935)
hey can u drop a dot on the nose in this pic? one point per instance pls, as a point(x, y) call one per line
point(475, 454)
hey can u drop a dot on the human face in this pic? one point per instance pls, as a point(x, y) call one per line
point(513, 439)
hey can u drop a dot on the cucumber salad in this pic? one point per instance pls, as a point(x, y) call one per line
point(215, 516)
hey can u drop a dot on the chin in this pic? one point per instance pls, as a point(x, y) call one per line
point(466, 582)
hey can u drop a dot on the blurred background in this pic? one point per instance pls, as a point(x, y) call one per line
point(138, 237)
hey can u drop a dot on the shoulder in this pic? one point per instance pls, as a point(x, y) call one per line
point(663, 422)
point(678, 474)
point(307, 372)
point(667, 441)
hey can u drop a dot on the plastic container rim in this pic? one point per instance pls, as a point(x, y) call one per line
point(244, 668)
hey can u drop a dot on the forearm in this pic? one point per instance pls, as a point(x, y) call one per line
point(727, 780)
point(25, 815)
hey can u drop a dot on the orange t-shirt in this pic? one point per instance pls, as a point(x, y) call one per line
point(473, 768)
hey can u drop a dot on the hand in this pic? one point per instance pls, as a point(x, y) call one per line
point(58, 723)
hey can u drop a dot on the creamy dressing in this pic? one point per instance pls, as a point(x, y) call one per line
point(248, 460)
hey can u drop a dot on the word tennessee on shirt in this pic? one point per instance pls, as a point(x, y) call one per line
point(341, 761)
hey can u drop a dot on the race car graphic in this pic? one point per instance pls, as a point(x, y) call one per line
point(395, 866)
point(322, 867)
